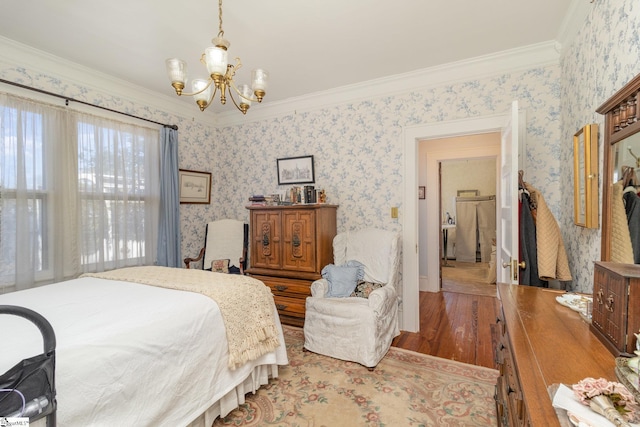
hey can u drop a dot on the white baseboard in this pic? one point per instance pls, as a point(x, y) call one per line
point(424, 284)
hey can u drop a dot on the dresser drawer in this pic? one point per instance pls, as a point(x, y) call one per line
point(290, 306)
point(287, 287)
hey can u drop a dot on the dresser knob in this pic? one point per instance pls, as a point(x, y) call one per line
point(281, 288)
point(281, 306)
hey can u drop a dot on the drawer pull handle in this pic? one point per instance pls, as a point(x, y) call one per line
point(610, 303)
point(599, 296)
point(266, 239)
point(296, 249)
point(281, 288)
point(281, 306)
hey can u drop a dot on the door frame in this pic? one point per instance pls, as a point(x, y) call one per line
point(412, 136)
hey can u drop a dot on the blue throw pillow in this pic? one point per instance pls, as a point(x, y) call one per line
point(343, 279)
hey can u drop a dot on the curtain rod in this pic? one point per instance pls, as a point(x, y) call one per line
point(67, 99)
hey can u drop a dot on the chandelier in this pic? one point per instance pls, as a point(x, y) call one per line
point(220, 76)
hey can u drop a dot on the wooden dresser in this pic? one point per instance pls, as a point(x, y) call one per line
point(541, 343)
point(289, 247)
point(616, 306)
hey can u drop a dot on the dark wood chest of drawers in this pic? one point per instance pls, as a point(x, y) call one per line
point(289, 247)
point(616, 306)
point(542, 344)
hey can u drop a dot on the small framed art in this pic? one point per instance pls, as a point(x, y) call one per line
point(195, 187)
point(421, 192)
point(467, 193)
point(296, 170)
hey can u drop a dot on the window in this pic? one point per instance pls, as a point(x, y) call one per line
point(117, 186)
point(77, 193)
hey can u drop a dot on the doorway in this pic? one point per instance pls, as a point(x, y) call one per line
point(468, 189)
point(415, 246)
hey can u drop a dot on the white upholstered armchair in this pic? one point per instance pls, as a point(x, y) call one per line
point(356, 328)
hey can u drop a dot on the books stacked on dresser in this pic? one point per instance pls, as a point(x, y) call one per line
point(258, 200)
point(310, 194)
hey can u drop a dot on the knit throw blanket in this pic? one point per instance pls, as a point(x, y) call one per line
point(246, 304)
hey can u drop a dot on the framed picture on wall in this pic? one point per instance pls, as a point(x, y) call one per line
point(195, 187)
point(296, 170)
point(467, 193)
point(422, 192)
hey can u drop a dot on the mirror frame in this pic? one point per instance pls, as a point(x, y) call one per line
point(621, 121)
point(585, 177)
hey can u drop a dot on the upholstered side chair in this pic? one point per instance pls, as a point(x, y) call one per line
point(225, 248)
point(356, 325)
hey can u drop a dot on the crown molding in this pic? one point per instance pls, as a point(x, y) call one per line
point(17, 55)
point(512, 60)
point(573, 21)
point(20, 56)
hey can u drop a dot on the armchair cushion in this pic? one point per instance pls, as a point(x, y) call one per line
point(343, 279)
point(363, 289)
point(220, 266)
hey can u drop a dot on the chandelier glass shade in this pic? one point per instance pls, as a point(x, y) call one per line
point(221, 74)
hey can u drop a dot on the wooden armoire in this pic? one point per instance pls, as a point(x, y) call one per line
point(289, 247)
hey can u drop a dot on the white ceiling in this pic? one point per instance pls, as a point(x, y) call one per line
point(307, 46)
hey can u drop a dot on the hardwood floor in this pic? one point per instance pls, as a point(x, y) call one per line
point(457, 323)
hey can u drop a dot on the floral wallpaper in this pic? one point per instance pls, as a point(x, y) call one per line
point(603, 57)
point(358, 148)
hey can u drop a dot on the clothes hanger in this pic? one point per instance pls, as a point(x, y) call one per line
point(520, 179)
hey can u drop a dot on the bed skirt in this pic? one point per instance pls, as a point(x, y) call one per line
point(230, 401)
point(236, 397)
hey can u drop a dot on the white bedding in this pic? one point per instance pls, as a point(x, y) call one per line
point(128, 354)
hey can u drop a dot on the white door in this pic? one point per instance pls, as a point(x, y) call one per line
point(508, 257)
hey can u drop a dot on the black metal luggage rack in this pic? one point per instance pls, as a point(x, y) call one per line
point(28, 389)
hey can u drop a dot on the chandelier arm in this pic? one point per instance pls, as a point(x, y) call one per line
point(213, 95)
point(234, 101)
point(201, 90)
point(233, 85)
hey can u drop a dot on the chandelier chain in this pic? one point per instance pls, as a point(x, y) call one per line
point(220, 30)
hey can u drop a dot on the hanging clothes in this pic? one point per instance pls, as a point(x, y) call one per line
point(466, 226)
point(621, 249)
point(528, 246)
point(552, 256)
point(632, 208)
point(486, 211)
point(475, 227)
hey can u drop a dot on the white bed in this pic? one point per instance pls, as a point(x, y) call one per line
point(133, 354)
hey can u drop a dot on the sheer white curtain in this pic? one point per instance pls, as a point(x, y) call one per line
point(119, 192)
point(37, 195)
point(78, 193)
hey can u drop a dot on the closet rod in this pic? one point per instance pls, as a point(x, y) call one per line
point(67, 99)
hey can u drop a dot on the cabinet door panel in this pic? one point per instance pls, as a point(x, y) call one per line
point(616, 305)
point(599, 314)
point(298, 242)
point(266, 237)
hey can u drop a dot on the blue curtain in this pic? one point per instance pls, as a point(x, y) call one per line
point(169, 222)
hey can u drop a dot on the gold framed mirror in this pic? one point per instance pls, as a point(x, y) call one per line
point(585, 177)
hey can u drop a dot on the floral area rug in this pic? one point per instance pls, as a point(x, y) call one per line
point(405, 389)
